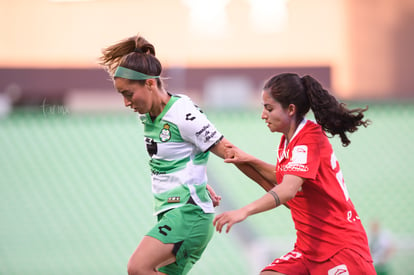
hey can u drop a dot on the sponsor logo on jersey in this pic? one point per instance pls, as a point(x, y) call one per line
point(205, 127)
point(209, 136)
point(165, 134)
point(207, 132)
point(294, 167)
point(297, 161)
point(300, 154)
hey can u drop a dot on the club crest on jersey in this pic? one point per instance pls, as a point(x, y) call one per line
point(165, 134)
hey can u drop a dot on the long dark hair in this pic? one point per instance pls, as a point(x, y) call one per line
point(134, 53)
point(307, 93)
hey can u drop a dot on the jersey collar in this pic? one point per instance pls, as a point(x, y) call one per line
point(300, 127)
point(167, 107)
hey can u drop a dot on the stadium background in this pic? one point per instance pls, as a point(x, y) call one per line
point(74, 185)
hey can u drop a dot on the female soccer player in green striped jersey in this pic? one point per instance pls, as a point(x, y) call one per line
point(178, 138)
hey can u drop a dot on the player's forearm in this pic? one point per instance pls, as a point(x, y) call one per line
point(255, 169)
point(266, 170)
point(255, 175)
point(278, 195)
point(263, 204)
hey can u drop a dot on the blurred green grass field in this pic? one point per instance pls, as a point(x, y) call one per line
point(75, 194)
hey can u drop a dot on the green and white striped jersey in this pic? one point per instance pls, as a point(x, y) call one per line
point(178, 141)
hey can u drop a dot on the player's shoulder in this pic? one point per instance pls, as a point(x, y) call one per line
point(310, 132)
point(184, 104)
point(184, 101)
point(311, 125)
point(312, 129)
point(183, 110)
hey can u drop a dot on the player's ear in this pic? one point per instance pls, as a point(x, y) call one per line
point(291, 109)
point(150, 83)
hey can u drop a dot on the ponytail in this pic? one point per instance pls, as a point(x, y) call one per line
point(134, 53)
point(334, 117)
point(112, 55)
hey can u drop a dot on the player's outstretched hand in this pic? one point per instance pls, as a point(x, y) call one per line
point(229, 218)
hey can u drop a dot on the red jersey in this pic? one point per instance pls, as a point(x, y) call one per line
point(325, 218)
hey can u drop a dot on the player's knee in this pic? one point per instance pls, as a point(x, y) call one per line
point(138, 268)
point(132, 269)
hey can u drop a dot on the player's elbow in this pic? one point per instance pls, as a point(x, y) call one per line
point(289, 194)
point(288, 197)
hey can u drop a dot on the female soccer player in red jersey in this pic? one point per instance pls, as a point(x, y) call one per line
point(308, 180)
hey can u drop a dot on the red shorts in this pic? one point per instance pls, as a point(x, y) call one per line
point(344, 262)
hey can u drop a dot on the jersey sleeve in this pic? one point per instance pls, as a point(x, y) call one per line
point(195, 127)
